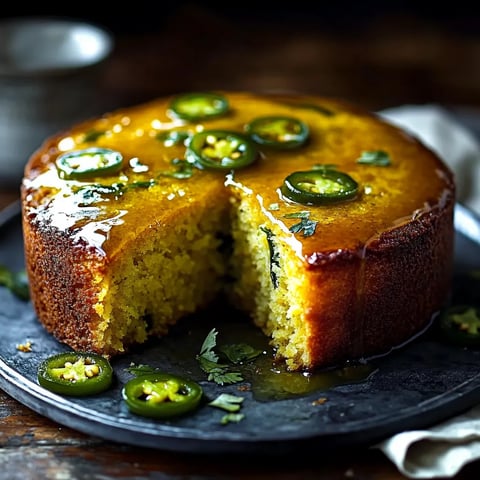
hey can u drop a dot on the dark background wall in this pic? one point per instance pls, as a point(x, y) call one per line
point(376, 53)
point(347, 15)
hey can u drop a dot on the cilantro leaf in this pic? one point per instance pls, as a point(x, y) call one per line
point(301, 214)
point(240, 352)
point(217, 372)
point(231, 404)
point(16, 282)
point(306, 225)
point(324, 167)
point(141, 369)
point(92, 135)
point(222, 376)
point(206, 351)
point(208, 360)
point(232, 417)
point(225, 401)
point(379, 158)
point(175, 137)
point(181, 169)
point(274, 254)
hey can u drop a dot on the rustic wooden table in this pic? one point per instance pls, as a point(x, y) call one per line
point(385, 61)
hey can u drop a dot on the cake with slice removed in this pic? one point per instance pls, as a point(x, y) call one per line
point(331, 228)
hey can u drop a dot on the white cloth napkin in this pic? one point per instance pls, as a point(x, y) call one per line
point(441, 130)
point(441, 451)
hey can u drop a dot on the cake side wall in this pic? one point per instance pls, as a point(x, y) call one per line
point(63, 286)
point(408, 278)
point(364, 304)
point(332, 316)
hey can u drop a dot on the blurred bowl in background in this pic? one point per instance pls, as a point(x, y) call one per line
point(50, 78)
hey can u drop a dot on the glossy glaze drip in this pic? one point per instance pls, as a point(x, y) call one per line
point(270, 383)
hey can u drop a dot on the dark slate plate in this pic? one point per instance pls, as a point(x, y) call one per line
point(415, 386)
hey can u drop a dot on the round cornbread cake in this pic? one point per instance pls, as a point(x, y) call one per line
point(331, 228)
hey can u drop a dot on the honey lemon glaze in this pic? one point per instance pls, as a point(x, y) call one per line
point(116, 259)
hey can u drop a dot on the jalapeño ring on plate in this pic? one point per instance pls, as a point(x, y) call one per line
point(75, 373)
point(460, 324)
point(161, 395)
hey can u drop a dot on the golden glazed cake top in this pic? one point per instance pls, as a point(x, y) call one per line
point(397, 177)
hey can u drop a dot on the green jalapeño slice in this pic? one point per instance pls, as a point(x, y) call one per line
point(220, 149)
point(278, 132)
point(460, 324)
point(319, 187)
point(75, 373)
point(88, 163)
point(161, 395)
point(198, 106)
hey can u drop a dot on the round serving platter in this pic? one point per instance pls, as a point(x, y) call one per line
point(415, 386)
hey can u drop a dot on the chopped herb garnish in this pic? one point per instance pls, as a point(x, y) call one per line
point(208, 359)
point(274, 255)
point(274, 207)
point(231, 404)
point(460, 324)
point(141, 369)
point(316, 108)
point(239, 353)
point(175, 137)
point(181, 169)
point(219, 373)
point(467, 320)
point(207, 352)
point(142, 184)
point(93, 135)
point(379, 158)
point(227, 402)
point(16, 282)
point(232, 417)
point(306, 225)
point(92, 193)
point(324, 166)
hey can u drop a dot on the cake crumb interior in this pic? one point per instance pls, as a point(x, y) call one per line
point(223, 251)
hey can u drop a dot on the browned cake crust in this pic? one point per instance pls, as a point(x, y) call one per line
point(393, 298)
point(371, 277)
